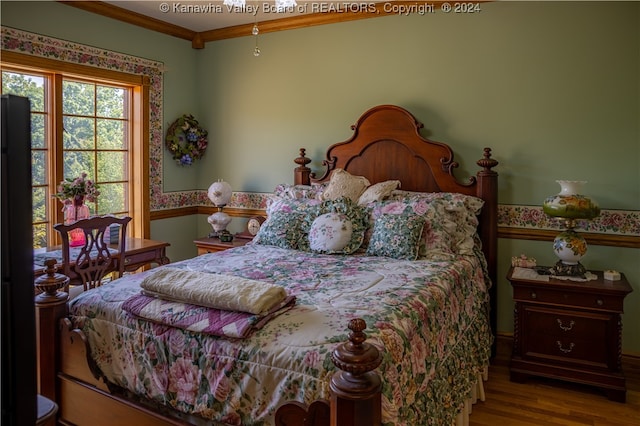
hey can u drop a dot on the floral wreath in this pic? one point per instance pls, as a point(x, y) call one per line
point(186, 140)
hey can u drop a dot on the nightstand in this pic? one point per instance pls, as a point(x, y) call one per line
point(570, 330)
point(212, 245)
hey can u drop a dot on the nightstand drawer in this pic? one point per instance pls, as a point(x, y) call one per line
point(569, 336)
point(569, 298)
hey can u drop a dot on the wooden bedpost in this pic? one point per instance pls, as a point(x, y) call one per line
point(355, 390)
point(302, 173)
point(488, 190)
point(51, 306)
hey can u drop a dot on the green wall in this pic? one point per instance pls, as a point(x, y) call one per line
point(552, 87)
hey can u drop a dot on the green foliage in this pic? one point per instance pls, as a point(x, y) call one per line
point(94, 119)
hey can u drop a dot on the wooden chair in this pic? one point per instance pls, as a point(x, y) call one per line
point(88, 264)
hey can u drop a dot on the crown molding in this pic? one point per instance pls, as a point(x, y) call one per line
point(198, 39)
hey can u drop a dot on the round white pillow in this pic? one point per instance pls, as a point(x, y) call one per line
point(330, 233)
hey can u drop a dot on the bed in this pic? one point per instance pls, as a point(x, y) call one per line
point(416, 262)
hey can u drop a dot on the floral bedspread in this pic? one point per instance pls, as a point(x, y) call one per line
point(428, 318)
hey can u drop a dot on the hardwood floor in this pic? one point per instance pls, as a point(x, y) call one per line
point(547, 402)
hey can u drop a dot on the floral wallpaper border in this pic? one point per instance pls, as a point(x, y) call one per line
point(615, 222)
point(619, 222)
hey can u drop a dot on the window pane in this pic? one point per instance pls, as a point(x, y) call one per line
point(38, 131)
point(78, 162)
point(38, 168)
point(30, 86)
point(78, 98)
point(112, 198)
point(39, 200)
point(111, 134)
point(78, 133)
point(110, 102)
point(40, 236)
point(112, 166)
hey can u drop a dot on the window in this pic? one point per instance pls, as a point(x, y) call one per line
point(83, 122)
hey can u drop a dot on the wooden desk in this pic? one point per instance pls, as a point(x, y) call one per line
point(139, 252)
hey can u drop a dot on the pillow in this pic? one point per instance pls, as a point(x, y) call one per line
point(330, 233)
point(286, 223)
point(396, 234)
point(338, 229)
point(299, 191)
point(457, 221)
point(378, 192)
point(344, 184)
point(435, 238)
point(281, 229)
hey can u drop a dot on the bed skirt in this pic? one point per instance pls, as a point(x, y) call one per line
point(477, 393)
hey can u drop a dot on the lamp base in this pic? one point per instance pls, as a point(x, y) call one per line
point(569, 270)
point(224, 235)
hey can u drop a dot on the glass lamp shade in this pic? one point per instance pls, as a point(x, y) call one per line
point(569, 204)
point(220, 193)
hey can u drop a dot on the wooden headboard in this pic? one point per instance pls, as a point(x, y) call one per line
point(386, 144)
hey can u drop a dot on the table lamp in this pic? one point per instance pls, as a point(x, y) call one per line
point(570, 206)
point(220, 194)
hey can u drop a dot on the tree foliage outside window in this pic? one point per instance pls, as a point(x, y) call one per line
point(95, 140)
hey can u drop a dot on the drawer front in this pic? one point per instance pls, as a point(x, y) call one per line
point(565, 336)
point(141, 259)
point(569, 298)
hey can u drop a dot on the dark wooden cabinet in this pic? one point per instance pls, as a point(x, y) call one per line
point(570, 330)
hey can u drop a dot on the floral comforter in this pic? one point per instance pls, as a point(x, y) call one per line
point(428, 318)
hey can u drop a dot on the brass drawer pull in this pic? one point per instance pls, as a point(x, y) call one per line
point(127, 260)
point(565, 327)
point(534, 295)
point(600, 302)
point(563, 350)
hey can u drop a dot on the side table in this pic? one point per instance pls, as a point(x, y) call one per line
point(212, 245)
point(570, 330)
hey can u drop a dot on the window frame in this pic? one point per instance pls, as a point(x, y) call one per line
point(139, 194)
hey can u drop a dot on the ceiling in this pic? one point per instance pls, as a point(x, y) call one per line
point(200, 16)
point(201, 21)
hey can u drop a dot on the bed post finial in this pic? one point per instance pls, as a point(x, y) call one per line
point(302, 173)
point(486, 162)
point(355, 390)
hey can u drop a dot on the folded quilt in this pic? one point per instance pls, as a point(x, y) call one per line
point(217, 291)
point(201, 319)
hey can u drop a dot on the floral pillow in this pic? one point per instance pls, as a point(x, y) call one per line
point(286, 224)
point(396, 231)
point(285, 190)
point(330, 233)
point(339, 228)
point(378, 191)
point(457, 221)
point(281, 229)
point(344, 184)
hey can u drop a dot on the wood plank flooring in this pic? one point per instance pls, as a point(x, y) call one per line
point(546, 402)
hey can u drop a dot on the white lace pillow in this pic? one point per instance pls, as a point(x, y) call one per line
point(344, 184)
point(378, 192)
point(330, 233)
